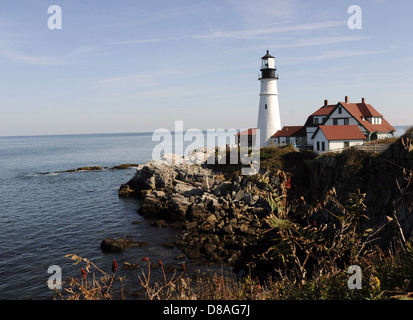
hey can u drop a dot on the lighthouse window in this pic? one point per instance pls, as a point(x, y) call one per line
point(266, 106)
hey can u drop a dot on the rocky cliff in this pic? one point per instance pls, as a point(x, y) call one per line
point(221, 216)
point(218, 216)
point(386, 179)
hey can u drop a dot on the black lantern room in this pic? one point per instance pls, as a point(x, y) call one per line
point(268, 67)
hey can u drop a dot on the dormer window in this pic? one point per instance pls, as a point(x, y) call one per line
point(376, 120)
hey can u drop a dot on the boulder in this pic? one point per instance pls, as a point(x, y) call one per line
point(222, 189)
point(130, 266)
point(187, 190)
point(239, 195)
point(119, 245)
point(125, 191)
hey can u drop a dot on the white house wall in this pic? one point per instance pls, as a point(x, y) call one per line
point(332, 145)
point(339, 144)
point(340, 117)
point(310, 131)
point(320, 137)
point(285, 140)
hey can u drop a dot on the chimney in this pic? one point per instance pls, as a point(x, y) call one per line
point(325, 103)
point(346, 99)
point(363, 100)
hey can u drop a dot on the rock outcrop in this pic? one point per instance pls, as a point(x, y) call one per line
point(386, 179)
point(119, 245)
point(221, 216)
point(218, 217)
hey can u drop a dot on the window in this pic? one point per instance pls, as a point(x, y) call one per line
point(346, 121)
point(265, 106)
point(340, 110)
point(335, 122)
point(315, 120)
point(323, 146)
point(318, 145)
point(346, 144)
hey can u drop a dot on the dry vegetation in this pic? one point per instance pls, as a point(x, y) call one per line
point(300, 256)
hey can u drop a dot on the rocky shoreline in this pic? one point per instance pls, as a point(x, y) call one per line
point(93, 168)
point(221, 215)
point(218, 216)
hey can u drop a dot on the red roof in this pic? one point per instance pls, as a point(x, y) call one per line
point(324, 111)
point(291, 131)
point(249, 132)
point(351, 132)
point(363, 110)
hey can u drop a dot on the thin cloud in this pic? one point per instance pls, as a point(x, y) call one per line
point(34, 60)
point(142, 79)
point(309, 42)
point(329, 55)
point(253, 33)
point(140, 41)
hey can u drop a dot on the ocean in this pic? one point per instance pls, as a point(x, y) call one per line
point(44, 217)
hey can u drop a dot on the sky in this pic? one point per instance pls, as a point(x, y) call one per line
point(138, 66)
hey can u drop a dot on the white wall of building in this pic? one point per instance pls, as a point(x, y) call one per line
point(319, 140)
point(340, 144)
point(332, 145)
point(310, 131)
point(285, 140)
point(269, 120)
point(340, 117)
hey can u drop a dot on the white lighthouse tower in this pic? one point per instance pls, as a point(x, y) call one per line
point(269, 121)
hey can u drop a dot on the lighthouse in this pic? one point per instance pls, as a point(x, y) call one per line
point(269, 121)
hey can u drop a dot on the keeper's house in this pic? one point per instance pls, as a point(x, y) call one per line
point(334, 127)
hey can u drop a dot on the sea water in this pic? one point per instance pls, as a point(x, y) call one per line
point(44, 217)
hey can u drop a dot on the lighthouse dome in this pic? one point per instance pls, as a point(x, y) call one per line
point(267, 56)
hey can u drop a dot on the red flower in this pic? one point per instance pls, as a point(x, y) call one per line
point(183, 266)
point(160, 263)
point(114, 266)
point(288, 183)
point(145, 259)
point(84, 273)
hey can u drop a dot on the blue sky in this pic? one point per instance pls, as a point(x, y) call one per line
point(129, 66)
